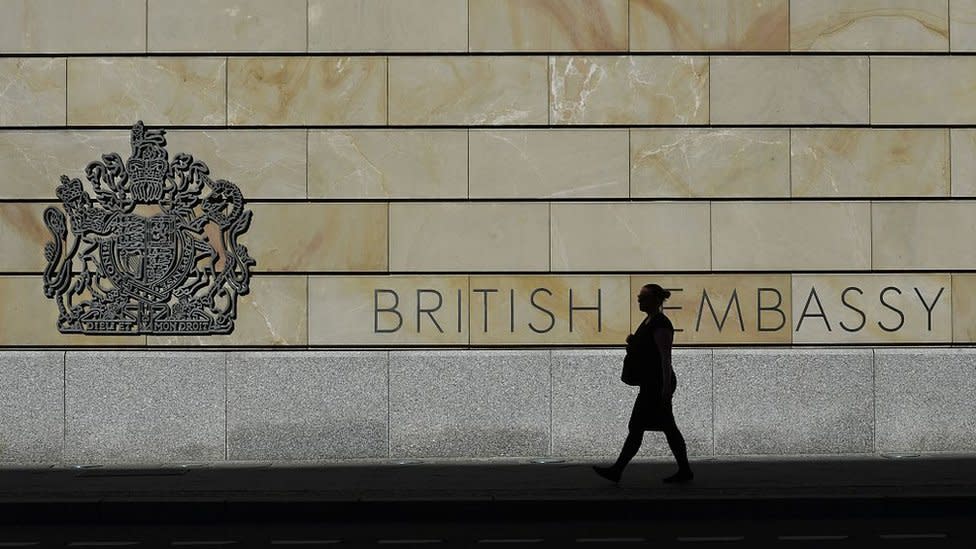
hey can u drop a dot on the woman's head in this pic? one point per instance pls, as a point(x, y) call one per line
point(651, 297)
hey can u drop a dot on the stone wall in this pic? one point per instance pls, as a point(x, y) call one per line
point(455, 201)
point(159, 407)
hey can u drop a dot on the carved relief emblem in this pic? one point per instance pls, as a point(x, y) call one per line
point(154, 252)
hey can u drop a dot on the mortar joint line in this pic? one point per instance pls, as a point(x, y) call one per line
point(226, 411)
point(389, 405)
point(64, 405)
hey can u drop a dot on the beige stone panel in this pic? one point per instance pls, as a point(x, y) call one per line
point(76, 26)
point(923, 235)
point(33, 161)
point(722, 309)
point(785, 235)
point(29, 318)
point(548, 25)
point(963, 162)
point(548, 164)
point(789, 90)
point(550, 310)
point(604, 236)
point(22, 237)
point(482, 90)
point(156, 90)
point(388, 164)
point(717, 25)
point(870, 162)
point(388, 310)
point(226, 25)
point(468, 90)
point(33, 92)
point(263, 163)
point(469, 236)
point(963, 308)
point(629, 90)
point(318, 237)
point(869, 25)
point(923, 90)
point(703, 162)
point(274, 312)
point(872, 308)
point(387, 25)
point(962, 22)
point(307, 90)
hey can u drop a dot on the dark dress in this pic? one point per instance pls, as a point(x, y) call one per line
point(651, 412)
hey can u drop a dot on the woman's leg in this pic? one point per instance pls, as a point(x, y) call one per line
point(680, 451)
point(677, 444)
point(631, 445)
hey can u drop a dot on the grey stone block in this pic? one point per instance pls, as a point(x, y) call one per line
point(798, 401)
point(31, 406)
point(469, 403)
point(591, 406)
point(144, 406)
point(926, 399)
point(307, 405)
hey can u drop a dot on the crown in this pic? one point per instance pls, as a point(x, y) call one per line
point(148, 165)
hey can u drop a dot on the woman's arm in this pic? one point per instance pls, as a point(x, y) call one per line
point(663, 338)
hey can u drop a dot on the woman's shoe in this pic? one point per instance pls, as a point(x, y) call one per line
point(680, 476)
point(608, 473)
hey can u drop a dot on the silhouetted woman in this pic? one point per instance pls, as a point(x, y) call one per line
point(651, 342)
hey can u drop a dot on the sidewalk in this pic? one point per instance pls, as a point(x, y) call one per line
point(841, 476)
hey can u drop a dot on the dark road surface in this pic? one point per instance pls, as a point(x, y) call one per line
point(856, 502)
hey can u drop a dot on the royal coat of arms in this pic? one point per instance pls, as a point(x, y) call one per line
point(154, 252)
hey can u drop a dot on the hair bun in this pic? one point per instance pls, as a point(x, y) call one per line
point(667, 294)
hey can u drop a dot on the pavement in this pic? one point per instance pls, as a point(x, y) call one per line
point(846, 500)
point(487, 480)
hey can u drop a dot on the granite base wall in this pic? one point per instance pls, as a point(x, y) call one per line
point(168, 406)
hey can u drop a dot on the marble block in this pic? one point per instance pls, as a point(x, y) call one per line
point(467, 90)
point(705, 162)
point(869, 25)
point(715, 25)
point(32, 406)
point(929, 90)
point(791, 235)
point(387, 25)
point(144, 407)
point(45, 26)
point(564, 163)
point(925, 399)
point(227, 25)
point(869, 162)
point(628, 89)
point(307, 405)
point(930, 234)
point(469, 236)
point(469, 403)
point(774, 89)
point(33, 91)
point(306, 90)
point(542, 25)
point(379, 164)
point(591, 406)
point(109, 91)
point(794, 401)
point(962, 21)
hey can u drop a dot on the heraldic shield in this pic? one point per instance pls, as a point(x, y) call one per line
point(154, 252)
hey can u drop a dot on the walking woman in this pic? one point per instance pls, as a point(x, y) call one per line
point(651, 343)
